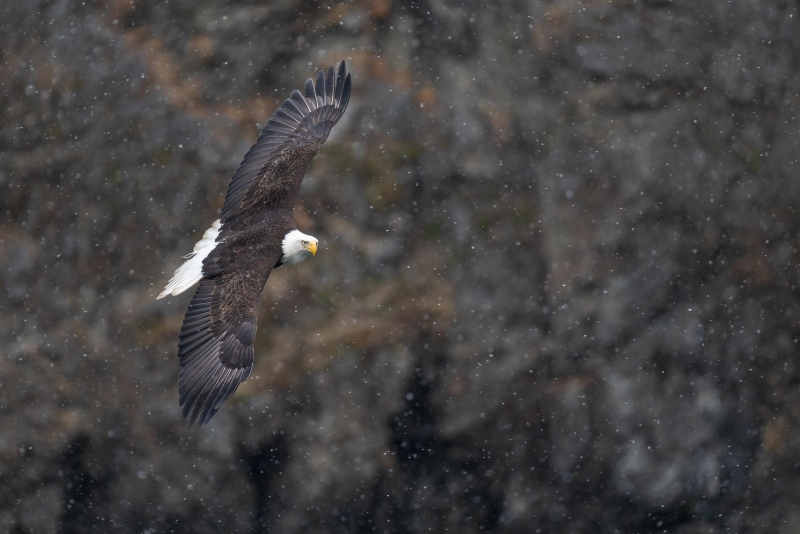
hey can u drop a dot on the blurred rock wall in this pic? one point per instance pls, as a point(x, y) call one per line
point(557, 289)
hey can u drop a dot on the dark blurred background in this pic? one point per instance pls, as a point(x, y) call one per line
point(557, 289)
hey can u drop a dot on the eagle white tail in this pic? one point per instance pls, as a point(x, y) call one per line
point(191, 271)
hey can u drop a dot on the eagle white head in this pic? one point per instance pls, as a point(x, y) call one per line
point(297, 246)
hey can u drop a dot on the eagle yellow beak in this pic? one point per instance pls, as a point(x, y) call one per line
point(312, 248)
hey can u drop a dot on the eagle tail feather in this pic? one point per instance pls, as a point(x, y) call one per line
point(191, 271)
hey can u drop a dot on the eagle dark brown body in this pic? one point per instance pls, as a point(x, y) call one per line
point(256, 233)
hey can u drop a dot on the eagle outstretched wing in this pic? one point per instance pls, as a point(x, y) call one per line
point(216, 340)
point(271, 172)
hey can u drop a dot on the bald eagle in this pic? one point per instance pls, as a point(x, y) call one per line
point(255, 234)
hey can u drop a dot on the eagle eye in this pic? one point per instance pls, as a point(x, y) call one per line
point(304, 243)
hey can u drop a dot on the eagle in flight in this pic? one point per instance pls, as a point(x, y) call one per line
point(255, 234)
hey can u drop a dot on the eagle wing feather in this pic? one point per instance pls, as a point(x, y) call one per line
point(271, 172)
point(216, 340)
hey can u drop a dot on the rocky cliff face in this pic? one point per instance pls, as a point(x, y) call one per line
point(556, 289)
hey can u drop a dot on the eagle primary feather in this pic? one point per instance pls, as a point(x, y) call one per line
point(255, 234)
